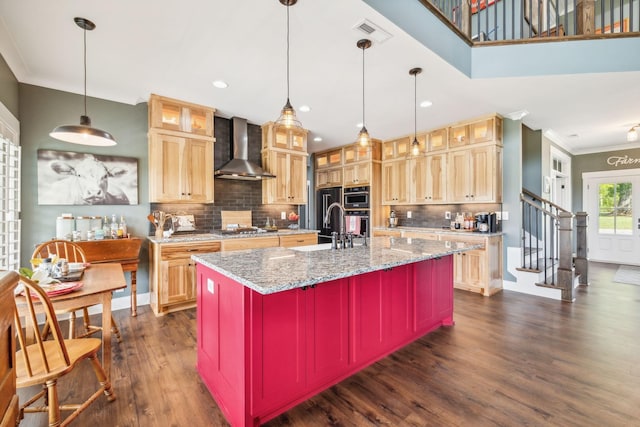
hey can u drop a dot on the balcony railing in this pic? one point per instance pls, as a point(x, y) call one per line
point(482, 21)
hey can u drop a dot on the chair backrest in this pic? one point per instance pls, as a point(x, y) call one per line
point(62, 248)
point(38, 304)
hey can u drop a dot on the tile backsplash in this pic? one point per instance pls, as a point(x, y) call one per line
point(433, 216)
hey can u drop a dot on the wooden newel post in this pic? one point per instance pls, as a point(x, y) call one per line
point(585, 17)
point(465, 23)
point(565, 262)
point(581, 261)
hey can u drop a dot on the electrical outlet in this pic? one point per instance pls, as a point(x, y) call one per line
point(505, 216)
point(283, 215)
point(447, 215)
point(409, 214)
point(119, 290)
point(498, 216)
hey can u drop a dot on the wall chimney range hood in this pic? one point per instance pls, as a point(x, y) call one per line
point(239, 167)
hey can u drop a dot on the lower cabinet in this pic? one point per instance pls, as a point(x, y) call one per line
point(260, 355)
point(172, 276)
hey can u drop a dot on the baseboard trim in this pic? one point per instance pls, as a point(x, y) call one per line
point(532, 290)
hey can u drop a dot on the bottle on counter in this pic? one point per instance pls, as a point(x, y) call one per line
point(114, 227)
point(122, 227)
point(106, 228)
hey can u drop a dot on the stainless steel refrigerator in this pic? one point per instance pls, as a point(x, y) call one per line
point(324, 198)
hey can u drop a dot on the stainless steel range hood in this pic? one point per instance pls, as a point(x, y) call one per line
point(239, 167)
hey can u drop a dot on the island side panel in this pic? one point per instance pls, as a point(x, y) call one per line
point(222, 346)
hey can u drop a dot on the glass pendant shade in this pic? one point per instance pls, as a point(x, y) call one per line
point(364, 140)
point(288, 117)
point(83, 133)
point(415, 147)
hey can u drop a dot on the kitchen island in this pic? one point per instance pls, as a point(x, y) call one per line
point(279, 325)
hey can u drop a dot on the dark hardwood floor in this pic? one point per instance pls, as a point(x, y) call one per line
point(510, 360)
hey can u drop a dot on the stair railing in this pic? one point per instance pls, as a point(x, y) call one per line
point(547, 241)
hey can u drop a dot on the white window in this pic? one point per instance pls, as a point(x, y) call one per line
point(9, 190)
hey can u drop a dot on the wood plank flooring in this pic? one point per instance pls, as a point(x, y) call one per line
point(510, 360)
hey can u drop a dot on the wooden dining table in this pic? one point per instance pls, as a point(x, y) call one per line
point(98, 283)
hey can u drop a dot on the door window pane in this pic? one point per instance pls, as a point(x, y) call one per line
point(614, 210)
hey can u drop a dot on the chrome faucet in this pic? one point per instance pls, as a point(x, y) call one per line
point(327, 221)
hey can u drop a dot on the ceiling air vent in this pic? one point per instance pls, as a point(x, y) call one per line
point(372, 31)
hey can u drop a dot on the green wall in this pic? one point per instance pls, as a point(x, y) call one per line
point(8, 88)
point(532, 160)
point(596, 162)
point(43, 109)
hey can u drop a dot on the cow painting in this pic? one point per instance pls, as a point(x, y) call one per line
point(66, 178)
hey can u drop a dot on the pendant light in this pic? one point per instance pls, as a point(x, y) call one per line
point(364, 140)
point(415, 145)
point(83, 133)
point(632, 135)
point(288, 117)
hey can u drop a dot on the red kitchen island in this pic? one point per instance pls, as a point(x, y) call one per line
point(277, 326)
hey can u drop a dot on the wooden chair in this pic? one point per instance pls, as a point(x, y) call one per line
point(44, 362)
point(72, 253)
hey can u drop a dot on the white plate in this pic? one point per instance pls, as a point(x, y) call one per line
point(76, 266)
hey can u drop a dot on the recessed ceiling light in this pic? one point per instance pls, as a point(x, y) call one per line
point(305, 108)
point(317, 139)
point(426, 103)
point(220, 84)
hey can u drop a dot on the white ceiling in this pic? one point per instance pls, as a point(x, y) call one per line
point(177, 49)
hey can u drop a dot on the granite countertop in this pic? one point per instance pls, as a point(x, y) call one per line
point(279, 269)
point(218, 235)
point(439, 231)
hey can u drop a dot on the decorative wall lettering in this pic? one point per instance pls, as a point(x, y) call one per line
point(618, 161)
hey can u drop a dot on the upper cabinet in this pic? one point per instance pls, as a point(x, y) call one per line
point(284, 154)
point(180, 151)
point(180, 169)
point(282, 138)
point(396, 149)
point(329, 159)
point(438, 139)
point(476, 132)
point(173, 115)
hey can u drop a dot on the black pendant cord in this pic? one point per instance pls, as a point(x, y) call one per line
point(85, 71)
point(287, 52)
point(363, 87)
point(415, 107)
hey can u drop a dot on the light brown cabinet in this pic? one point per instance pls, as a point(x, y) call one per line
point(250, 243)
point(329, 177)
point(180, 169)
point(180, 151)
point(357, 174)
point(478, 270)
point(396, 149)
point(289, 185)
point(477, 132)
point(172, 278)
point(173, 115)
point(284, 154)
point(329, 159)
point(301, 239)
point(475, 175)
point(438, 140)
point(428, 178)
point(395, 182)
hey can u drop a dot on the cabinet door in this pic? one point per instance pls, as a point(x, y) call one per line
point(363, 174)
point(178, 281)
point(322, 178)
point(424, 316)
point(438, 140)
point(458, 136)
point(458, 167)
point(327, 331)
point(198, 171)
point(387, 183)
point(436, 178)
point(367, 299)
point(420, 193)
point(474, 268)
point(335, 177)
point(297, 179)
point(349, 174)
point(289, 139)
point(166, 178)
point(395, 183)
point(483, 179)
point(442, 271)
point(278, 347)
point(398, 310)
point(482, 131)
point(281, 170)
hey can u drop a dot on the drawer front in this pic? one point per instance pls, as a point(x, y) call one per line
point(463, 237)
point(250, 243)
point(170, 251)
point(390, 233)
point(420, 235)
point(298, 240)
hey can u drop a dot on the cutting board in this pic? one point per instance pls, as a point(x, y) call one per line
point(242, 218)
